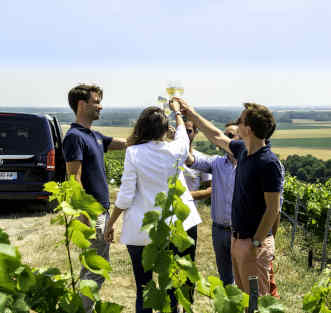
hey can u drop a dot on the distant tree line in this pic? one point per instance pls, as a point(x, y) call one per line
point(127, 117)
point(306, 168)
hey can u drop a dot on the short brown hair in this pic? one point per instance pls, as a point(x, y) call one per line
point(152, 124)
point(82, 92)
point(260, 120)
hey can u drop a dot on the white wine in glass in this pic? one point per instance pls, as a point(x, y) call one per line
point(164, 104)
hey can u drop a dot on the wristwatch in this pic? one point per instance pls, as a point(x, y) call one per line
point(256, 243)
point(177, 113)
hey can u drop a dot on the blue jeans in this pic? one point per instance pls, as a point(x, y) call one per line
point(222, 248)
point(142, 278)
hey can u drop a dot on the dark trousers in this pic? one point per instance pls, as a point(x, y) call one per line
point(222, 248)
point(142, 277)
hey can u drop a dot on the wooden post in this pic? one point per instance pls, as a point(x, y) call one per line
point(295, 222)
point(325, 240)
point(253, 294)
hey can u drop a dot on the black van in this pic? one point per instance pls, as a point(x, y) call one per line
point(30, 155)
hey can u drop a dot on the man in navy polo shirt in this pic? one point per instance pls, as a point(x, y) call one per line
point(84, 154)
point(256, 198)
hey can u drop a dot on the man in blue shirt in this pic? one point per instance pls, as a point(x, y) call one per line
point(84, 154)
point(256, 197)
point(223, 169)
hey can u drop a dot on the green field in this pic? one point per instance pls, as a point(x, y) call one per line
point(312, 143)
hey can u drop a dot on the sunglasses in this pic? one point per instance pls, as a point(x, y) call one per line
point(189, 131)
point(230, 135)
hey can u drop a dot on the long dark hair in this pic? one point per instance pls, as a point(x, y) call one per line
point(152, 124)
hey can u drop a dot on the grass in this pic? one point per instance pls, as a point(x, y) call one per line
point(39, 249)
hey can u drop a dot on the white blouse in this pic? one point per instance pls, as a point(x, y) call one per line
point(147, 168)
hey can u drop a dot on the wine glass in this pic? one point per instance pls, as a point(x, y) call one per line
point(164, 104)
point(179, 89)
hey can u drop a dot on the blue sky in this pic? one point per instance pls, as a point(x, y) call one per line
point(224, 51)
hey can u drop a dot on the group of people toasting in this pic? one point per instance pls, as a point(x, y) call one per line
point(245, 194)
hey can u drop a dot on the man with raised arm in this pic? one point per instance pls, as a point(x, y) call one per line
point(223, 169)
point(84, 154)
point(256, 197)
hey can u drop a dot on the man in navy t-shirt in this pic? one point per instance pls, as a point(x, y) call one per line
point(256, 197)
point(84, 154)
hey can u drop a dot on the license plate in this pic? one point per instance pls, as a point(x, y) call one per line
point(8, 175)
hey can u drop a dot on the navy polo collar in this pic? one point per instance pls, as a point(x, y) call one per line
point(81, 127)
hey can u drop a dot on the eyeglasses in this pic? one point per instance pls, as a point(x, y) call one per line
point(230, 135)
point(189, 131)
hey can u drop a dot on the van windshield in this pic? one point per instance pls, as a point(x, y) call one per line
point(23, 135)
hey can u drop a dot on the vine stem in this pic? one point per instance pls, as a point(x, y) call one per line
point(73, 284)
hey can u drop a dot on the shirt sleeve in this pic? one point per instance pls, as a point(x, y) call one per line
point(206, 177)
point(73, 148)
point(181, 144)
point(272, 177)
point(128, 183)
point(106, 141)
point(237, 147)
point(202, 163)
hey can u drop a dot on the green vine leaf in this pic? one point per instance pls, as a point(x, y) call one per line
point(150, 220)
point(189, 266)
point(89, 288)
point(150, 254)
point(80, 234)
point(108, 307)
point(183, 301)
point(268, 304)
point(180, 238)
point(160, 200)
point(181, 210)
point(4, 237)
point(95, 263)
point(4, 298)
point(25, 278)
point(156, 298)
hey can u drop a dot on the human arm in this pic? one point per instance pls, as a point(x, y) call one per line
point(175, 107)
point(117, 144)
point(109, 229)
point(271, 181)
point(213, 134)
point(272, 200)
point(125, 195)
point(275, 226)
point(73, 154)
point(75, 168)
point(202, 193)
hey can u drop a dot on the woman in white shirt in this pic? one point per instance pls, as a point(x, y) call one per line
point(149, 161)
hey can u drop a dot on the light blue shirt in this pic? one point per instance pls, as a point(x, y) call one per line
point(224, 173)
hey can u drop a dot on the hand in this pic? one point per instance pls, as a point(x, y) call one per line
point(256, 251)
point(186, 109)
point(174, 104)
point(109, 233)
point(171, 132)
